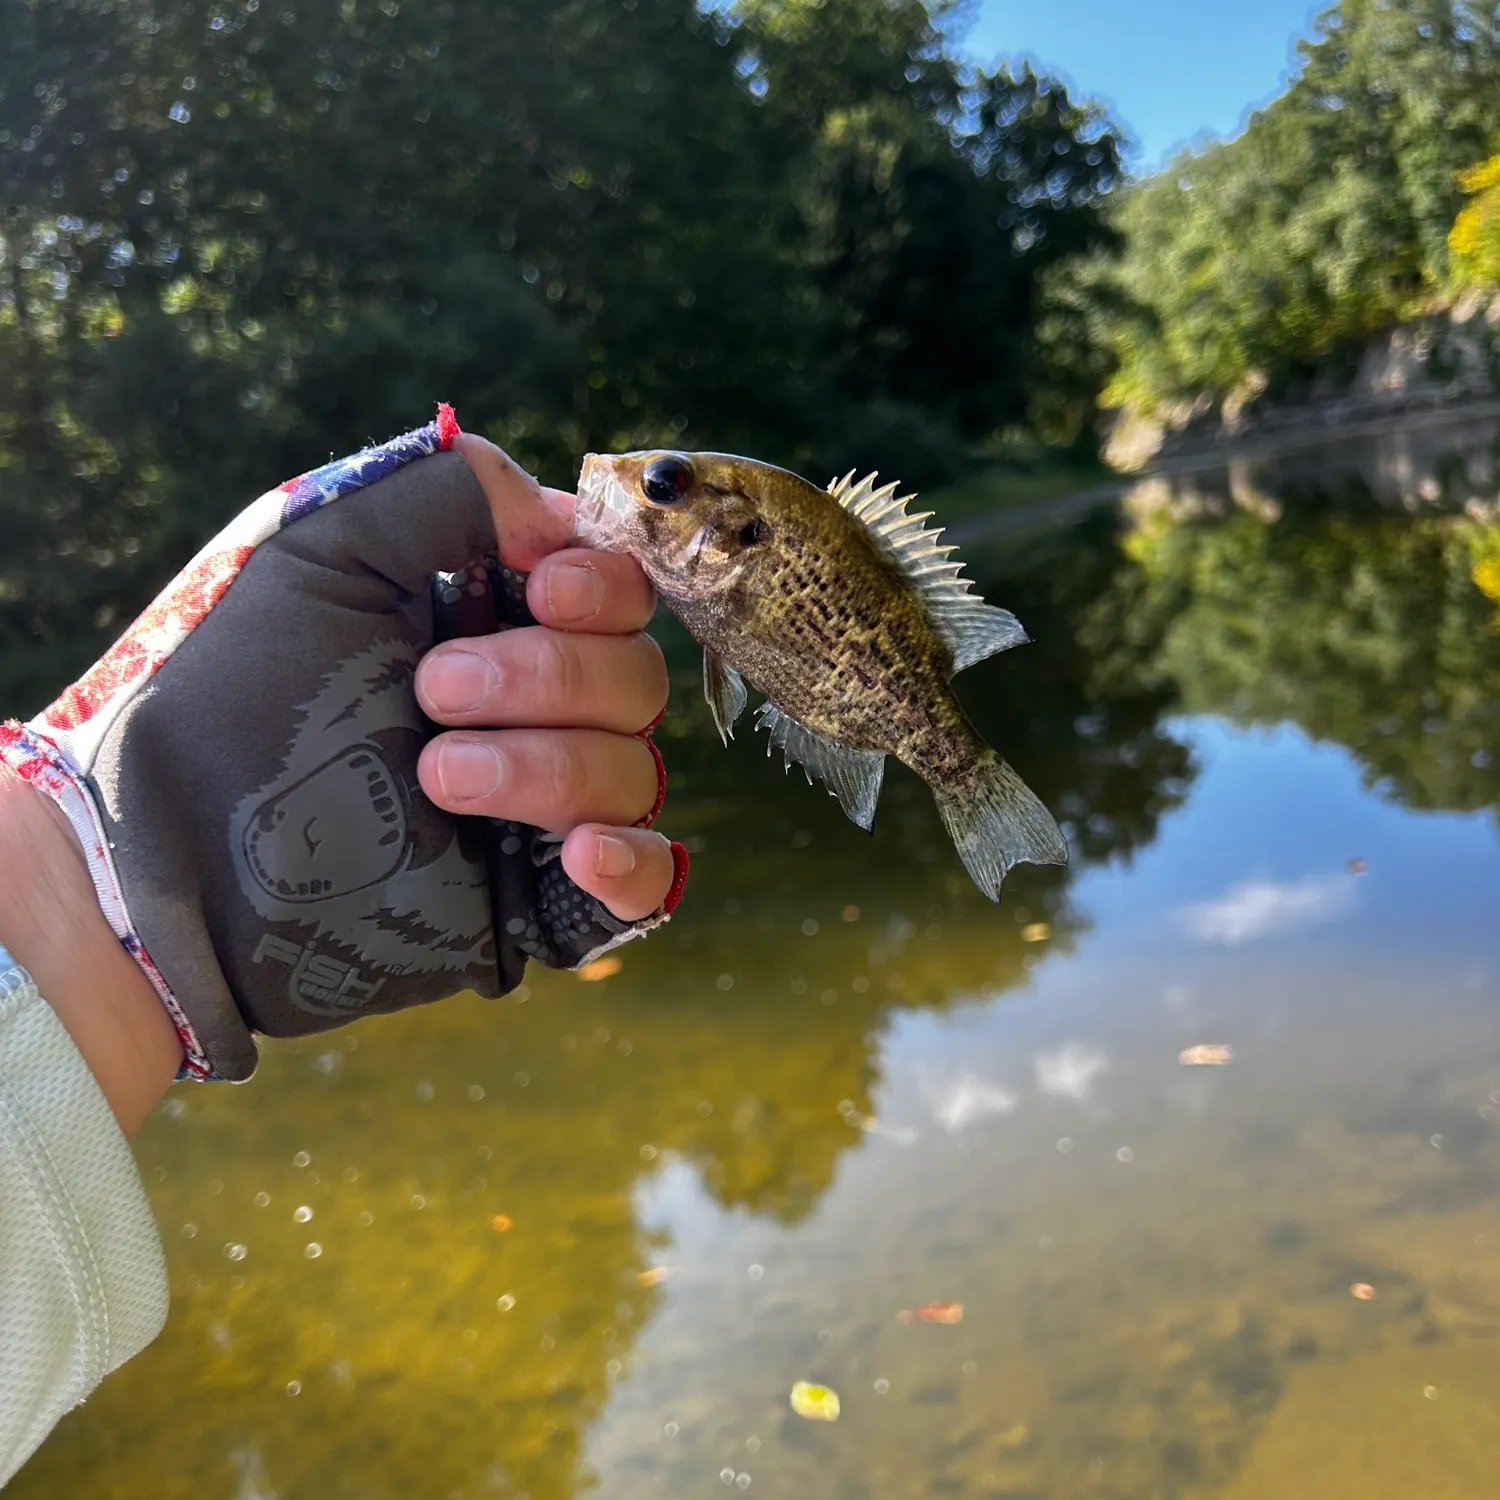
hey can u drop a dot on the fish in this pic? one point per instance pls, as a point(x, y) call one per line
point(839, 607)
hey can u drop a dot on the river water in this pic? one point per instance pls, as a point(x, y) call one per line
point(584, 1241)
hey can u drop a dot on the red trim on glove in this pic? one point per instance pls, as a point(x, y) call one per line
point(447, 425)
point(679, 878)
point(661, 770)
point(148, 643)
point(661, 780)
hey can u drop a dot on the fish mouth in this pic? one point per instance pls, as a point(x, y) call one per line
point(605, 512)
point(589, 513)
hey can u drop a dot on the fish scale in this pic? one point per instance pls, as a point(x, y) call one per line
point(843, 610)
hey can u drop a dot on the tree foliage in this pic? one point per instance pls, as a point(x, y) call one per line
point(1276, 255)
point(1474, 240)
point(240, 235)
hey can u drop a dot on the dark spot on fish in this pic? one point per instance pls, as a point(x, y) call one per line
point(753, 531)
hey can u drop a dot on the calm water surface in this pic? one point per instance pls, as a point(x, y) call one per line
point(584, 1240)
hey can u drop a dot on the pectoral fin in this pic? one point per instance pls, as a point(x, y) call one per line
point(853, 776)
point(725, 690)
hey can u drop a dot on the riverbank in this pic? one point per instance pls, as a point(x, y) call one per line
point(1440, 365)
point(1423, 455)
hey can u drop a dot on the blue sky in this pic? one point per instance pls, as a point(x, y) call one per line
point(1169, 69)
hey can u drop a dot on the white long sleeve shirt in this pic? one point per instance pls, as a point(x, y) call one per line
point(83, 1283)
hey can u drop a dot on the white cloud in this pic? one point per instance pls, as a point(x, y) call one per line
point(1259, 907)
point(970, 1100)
point(1069, 1073)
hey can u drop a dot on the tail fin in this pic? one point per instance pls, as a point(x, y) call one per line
point(999, 822)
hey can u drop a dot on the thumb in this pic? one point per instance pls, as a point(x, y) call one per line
point(530, 521)
point(409, 515)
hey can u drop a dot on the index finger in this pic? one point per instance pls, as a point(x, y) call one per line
point(600, 593)
point(530, 520)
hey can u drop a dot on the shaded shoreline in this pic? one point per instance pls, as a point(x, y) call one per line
point(1072, 504)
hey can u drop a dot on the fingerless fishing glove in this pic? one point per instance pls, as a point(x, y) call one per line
point(241, 769)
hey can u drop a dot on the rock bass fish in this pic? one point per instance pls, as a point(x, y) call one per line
point(844, 612)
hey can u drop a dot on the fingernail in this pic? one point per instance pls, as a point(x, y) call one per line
point(456, 681)
point(467, 770)
point(574, 592)
point(613, 857)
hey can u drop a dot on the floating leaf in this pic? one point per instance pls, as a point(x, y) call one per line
point(932, 1312)
point(601, 968)
point(818, 1403)
point(1206, 1055)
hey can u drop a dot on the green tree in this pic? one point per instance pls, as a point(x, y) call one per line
point(927, 201)
point(1276, 255)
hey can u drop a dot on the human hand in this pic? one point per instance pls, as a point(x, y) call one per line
point(547, 718)
point(247, 772)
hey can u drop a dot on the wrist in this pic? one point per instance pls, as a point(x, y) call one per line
point(52, 925)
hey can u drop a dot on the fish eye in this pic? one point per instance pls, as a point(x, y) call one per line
point(666, 481)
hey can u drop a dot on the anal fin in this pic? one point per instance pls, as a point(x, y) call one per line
point(853, 776)
point(725, 690)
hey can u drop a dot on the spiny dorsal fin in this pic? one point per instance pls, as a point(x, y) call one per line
point(971, 628)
